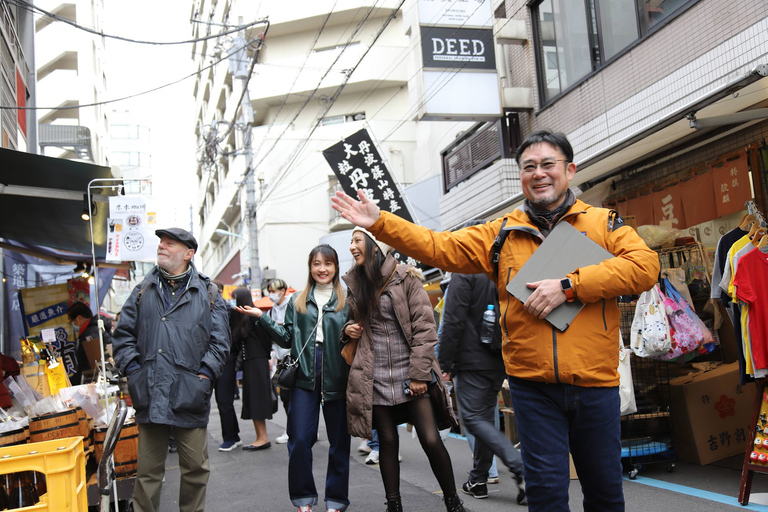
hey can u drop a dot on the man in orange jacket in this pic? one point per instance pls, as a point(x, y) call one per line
point(564, 385)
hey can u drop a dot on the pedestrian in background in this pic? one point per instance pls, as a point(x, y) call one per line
point(225, 390)
point(172, 341)
point(257, 385)
point(478, 372)
point(312, 330)
point(278, 294)
point(392, 319)
point(86, 327)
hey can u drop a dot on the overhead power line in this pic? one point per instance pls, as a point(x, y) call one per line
point(107, 102)
point(23, 4)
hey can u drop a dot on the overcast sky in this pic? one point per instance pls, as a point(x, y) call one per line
point(169, 113)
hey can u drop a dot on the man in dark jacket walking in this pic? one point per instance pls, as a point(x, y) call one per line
point(478, 373)
point(171, 342)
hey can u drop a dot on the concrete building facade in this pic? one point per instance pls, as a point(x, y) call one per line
point(71, 79)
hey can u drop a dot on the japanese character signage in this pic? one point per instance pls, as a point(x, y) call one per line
point(732, 189)
point(46, 308)
point(357, 165)
point(130, 230)
point(668, 206)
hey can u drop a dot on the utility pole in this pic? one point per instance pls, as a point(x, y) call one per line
point(240, 69)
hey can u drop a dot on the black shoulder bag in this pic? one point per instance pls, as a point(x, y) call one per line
point(287, 369)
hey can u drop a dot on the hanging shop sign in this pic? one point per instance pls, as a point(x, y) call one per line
point(46, 307)
point(719, 189)
point(358, 165)
point(731, 179)
point(130, 230)
point(668, 206)
point(462, 48)
point(458, 78)
point(475, 13)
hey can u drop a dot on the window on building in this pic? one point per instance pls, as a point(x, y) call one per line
point(341, 119)
point(576, 37)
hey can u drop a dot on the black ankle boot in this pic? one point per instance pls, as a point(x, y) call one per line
point(394, 505)
point(454, 504)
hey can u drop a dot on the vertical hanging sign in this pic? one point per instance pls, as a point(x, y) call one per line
point(357, 165)
point(130, 230)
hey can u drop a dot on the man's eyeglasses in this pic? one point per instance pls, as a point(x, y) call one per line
point(546, 166)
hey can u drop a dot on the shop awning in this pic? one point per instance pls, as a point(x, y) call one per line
point(41, 200)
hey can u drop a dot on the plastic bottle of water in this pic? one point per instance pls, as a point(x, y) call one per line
point(488, 327)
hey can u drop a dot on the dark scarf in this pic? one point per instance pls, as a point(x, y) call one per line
point(545, 220)
point(173, 282)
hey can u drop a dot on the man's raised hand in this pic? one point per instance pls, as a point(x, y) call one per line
point(361, 213)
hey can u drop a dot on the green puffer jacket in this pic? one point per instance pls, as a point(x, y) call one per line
point(293, 334)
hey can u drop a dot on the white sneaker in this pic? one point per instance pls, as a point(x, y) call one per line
point(399, 457)
point(282, 439)
point(363, 447)
point(372, 458)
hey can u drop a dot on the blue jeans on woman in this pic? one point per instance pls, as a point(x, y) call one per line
point(303, 422)
point(555, 418)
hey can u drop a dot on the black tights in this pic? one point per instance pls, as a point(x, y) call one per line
point(422, 417)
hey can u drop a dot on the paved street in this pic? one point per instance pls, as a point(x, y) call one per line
point(257, 481)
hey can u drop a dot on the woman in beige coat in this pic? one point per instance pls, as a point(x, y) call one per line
point(391, 316)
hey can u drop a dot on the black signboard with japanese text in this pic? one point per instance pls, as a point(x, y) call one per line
point(357, 165)
point(464, 48)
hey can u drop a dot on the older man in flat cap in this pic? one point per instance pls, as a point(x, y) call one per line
point(172, 341)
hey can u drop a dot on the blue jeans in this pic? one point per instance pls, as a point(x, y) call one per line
point(553, 418)
point(373, 442)
point(303, 421)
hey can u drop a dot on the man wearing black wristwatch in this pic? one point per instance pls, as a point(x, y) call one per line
point(564, 385)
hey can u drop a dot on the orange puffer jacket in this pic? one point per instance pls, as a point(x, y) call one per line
point(586, 353)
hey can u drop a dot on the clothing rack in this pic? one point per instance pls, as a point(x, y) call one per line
point(756, 457)
point(753, 210)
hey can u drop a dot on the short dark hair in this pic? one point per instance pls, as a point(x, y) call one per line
point(556, 139)
point(277, 284)
point(219, 285)
point(79, 309)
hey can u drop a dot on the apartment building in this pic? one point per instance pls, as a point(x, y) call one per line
point(70, 73)
point(320, 73)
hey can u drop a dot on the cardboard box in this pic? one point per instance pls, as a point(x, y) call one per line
point(93, 352)
point(36, 378)
point(711, 414)
point(510, 429)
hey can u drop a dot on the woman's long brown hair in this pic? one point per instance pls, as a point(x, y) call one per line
point(327, 252)
point(369, 280)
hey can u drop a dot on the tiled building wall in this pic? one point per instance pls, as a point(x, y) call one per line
point(694, 33)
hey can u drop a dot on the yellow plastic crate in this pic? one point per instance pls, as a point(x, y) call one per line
point(62, 461)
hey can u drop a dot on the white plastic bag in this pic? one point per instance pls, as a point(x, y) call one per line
point(650, 327)
point(626, 385)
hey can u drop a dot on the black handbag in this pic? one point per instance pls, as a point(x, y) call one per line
point(287, 369)
point(286, 372)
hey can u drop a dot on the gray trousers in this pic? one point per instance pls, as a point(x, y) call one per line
point(477, 394)
point(194, 468)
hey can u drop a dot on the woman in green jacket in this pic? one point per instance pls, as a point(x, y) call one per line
point(312, 330)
